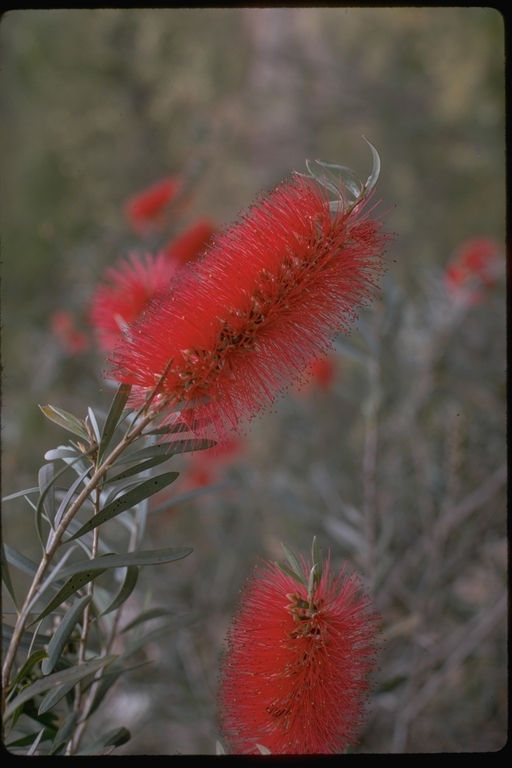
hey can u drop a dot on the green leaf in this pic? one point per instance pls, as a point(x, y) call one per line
point(20, 493)
point(128, 500)
point(130, 580)
point(94, 425)
point(64, 733)
point(46, 483)
point(66, 420)
point(20, 561)
point(25, 741)
point(36, 743)
point(313, 579)
point(63, 452)
point(69, 495)
point(54, 696)
point(30, 663)
point(6, 576)
point(28, 640)
point(288, 571)
point(71, 586)
point(293, 561)
point(153, 613)
point(372, 179)
point(63, 633)
point(316, 558)
point(167, 449)
point(113, 738)
point(149, 557)
point(116, 409)
point(108, 680)
point(73, 675)
point(155, 461)
point(170, 429)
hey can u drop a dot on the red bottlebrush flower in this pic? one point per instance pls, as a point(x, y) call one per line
point(240, 324)
point(145, 211)
point(131, 285)
point(62, 325)
point(295, 676)
point(475, 265)
point(191, 243)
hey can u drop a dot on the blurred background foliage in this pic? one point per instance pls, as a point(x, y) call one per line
point(399, 465)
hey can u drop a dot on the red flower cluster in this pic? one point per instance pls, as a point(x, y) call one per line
point(62, 325)
point(191, 243)
point(131, 285)
point(146, 210)
point(294, 678)
point(474, 267)
point(270, 295)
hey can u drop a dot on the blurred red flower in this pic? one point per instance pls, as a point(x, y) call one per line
point(295, 676)
point(62, 326)
point(146, 210)
point(474, 267)
point(240, 324)
point(207, 467)
point(320, 374)
point(191, 243)
point(129, 288)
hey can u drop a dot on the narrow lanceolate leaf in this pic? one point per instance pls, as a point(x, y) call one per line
point(284, 568)
point(107, 681)
point(54, 696)
point(30, 663)
point(20, 561)
point(293, 561)
point(28, 640)
point(36, 743)
point(69, 495)
point(316, 558)
point(46, 483)
point(114, 414)
point(63, 452)
point(63, 633)
point(113, 738)
point(94, 424)
point(127, 500)
point(6, 576)
point(167, 449)
point(155, 461)
point(149, 557)
point(72, 585)
point(66, 420)
point(16, 495)
point(64, 733)
point(130, 580)
point(73, 675)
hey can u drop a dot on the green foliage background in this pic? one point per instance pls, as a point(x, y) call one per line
point(96, 105)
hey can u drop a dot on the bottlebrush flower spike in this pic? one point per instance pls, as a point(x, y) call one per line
point(301, 646)
point(271, 294)
point(129, 288)
point(192, 242)
point(146, 210)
